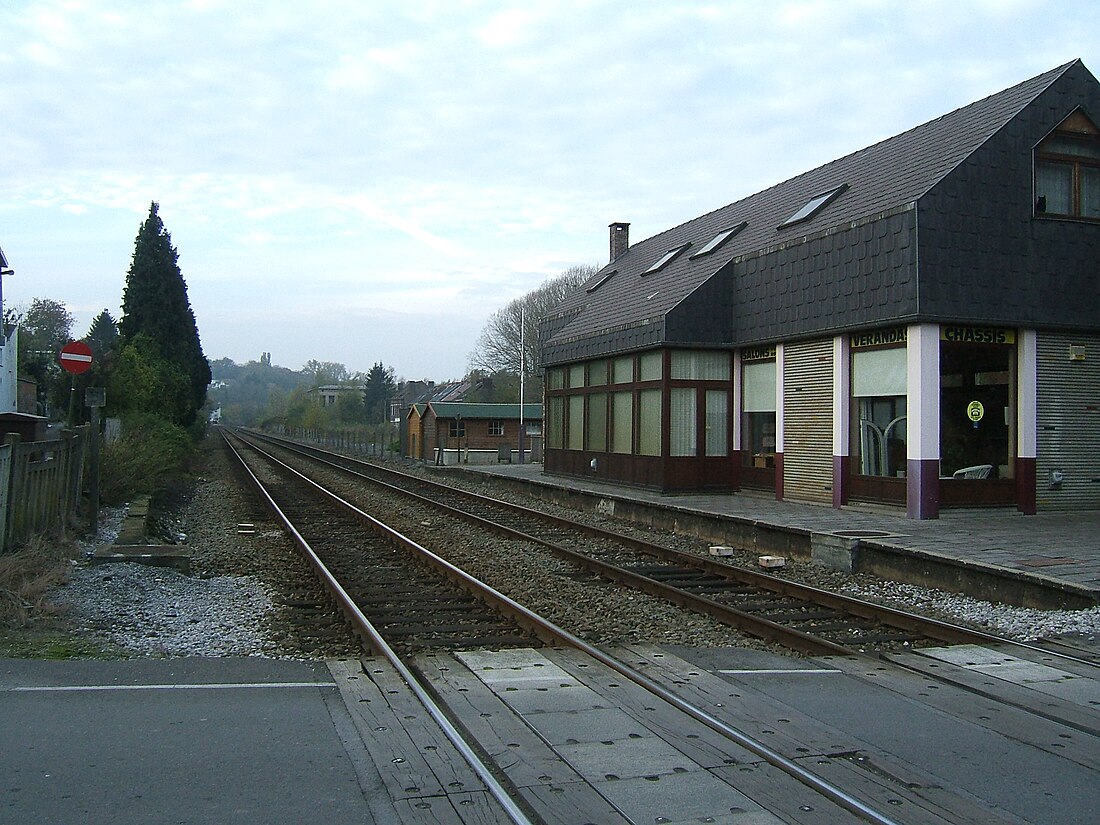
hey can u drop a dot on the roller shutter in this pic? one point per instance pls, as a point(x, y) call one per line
point(808, 421)
point(1068, 416)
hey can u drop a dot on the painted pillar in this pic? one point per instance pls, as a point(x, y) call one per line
point(735, 415)
point(842, 414)
point(1027, 408)
point(923, 404)
point(779, 372)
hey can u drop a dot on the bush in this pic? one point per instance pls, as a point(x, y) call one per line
point(148, 453)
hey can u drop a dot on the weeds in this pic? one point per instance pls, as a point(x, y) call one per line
point(26, 576)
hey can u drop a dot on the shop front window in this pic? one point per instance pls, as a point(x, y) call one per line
point(758, 414)
point(879, 386)
point(977, 404)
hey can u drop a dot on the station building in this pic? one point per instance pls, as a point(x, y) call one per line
point(915, 324)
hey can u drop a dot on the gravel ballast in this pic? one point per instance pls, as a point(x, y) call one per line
point(247, 590)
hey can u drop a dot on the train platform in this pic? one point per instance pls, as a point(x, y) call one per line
point(1049, 560)
point(196, 740)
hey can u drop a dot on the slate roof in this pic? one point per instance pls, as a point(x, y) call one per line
point(886, 178)
point(494, 412)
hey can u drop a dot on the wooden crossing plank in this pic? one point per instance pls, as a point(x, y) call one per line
point(413, 760)
point(695, 740)
point(525, 758)
point(453, 809)
point(551, 788)
point(781, 727)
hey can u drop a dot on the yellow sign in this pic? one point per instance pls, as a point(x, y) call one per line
point(977, 335)
point(975, 411)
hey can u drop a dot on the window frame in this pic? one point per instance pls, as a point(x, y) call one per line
point(1076, 128)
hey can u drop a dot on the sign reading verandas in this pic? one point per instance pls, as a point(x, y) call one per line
point(878, 337)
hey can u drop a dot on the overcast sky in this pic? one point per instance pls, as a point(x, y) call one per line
point(370, 181)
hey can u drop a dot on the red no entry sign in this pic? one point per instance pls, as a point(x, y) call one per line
point(76, 357)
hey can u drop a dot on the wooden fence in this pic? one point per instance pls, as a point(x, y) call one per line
point(40, 484)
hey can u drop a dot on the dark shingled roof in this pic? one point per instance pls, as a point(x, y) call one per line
point(882, 179)
point(492, 412)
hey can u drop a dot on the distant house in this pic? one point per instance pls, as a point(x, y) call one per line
point(447, 432)
point(915, 324)
point(327, 394)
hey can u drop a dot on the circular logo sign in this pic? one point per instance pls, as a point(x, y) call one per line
point(975, 411)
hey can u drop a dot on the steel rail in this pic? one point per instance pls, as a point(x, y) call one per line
point(755, 625)
point(546, 628)
point(379, 645)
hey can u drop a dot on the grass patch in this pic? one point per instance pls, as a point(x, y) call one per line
point(26, 577)
point(31, 626)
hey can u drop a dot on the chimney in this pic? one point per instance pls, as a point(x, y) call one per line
point(620, 239)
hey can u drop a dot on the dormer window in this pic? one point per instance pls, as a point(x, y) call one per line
point(1067, 170)
point(813, 206)
point(666, 259)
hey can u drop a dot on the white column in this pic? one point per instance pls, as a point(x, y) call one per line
point(735, 410)
point(1027, 393)
point(779, 371)
point(923, 408)
point(842, 397)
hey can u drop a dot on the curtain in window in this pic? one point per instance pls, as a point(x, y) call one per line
point(879, 372)
point(649, 422)
point(758, 386)
point(717, 417)
point(703, 366)
point(622, 422)
point(682, 422)
point(1090, 192)
point(622, 369)
point(649, 366)
point(1054, 182)
point(555, 408)
point(597, 422)
point(575, 424)
point(576, 375)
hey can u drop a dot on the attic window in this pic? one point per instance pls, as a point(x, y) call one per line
point(666, 259)
point(813, 206)
point(720, 239)
point(1067, 170)
point(602, 281)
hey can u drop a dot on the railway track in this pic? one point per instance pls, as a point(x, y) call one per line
point(490, 678)
point(806, 619)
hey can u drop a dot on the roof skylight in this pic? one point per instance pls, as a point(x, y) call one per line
point(602, 281)
point(720, 239)
point(666, 259)
point(813, 206)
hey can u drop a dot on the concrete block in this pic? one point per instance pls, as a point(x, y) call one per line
point(835, 552)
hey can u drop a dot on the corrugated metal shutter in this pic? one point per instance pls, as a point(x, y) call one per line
point(1069, 422)
point(808, 421)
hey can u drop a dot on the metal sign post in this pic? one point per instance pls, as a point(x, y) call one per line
point(94, 398)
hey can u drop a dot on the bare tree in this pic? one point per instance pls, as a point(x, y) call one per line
point(498, 347)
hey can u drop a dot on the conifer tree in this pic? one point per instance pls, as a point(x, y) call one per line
point(155, 305)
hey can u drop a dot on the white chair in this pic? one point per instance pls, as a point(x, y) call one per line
point(977, 471)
